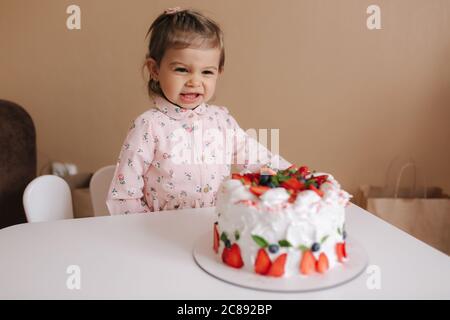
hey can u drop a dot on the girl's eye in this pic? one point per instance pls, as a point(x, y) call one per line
point(208, 72)
point(181, 69)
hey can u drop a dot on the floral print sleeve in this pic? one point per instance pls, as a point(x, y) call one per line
point(248, 153)
point(126, 192)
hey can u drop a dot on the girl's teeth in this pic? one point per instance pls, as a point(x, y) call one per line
point(190, 96)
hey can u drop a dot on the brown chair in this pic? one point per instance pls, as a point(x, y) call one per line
point(17, 161)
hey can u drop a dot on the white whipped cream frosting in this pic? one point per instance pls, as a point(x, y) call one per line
point(274, 196)
point(309, 219)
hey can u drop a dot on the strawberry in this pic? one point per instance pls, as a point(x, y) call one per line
point(322, 263)
point(320, 179)
point(262, 263)
point(216, 238)
point(232, 256)
point(293, 196)
point(303, 171)
point(259, 190)
point(292, 183)
point(277, 268)
point(318, 191)
point(236, 176)
point(255, 178)
point(290, 191)
point(340, 251)
point(244, 178)
point(308, 263)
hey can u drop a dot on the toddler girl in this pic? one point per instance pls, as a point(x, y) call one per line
point(177, 154)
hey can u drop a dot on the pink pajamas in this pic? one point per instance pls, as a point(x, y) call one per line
point(175, 158)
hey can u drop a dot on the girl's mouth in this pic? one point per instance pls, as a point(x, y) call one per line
point(189, 97)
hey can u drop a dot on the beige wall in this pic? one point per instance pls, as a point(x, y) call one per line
point(346, 100)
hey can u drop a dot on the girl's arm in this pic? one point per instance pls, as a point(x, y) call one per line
point(126, 193)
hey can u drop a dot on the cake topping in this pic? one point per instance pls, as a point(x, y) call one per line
point(294, 180)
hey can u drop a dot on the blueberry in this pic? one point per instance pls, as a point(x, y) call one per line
point(273, 248)
point(264, 179)
point(227, 243)
point(344, 234)
point(315, 247)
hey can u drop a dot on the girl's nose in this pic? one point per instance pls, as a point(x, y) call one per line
point(194, 82)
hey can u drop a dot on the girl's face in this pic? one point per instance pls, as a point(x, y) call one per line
point(187, 76)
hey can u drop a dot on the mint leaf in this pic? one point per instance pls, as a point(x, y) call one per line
point(339, 231)
point(303, 248)
point(223, 237)
point(323, 239)
point(283, 178)
point(260, 241)
point(284, 243)
point(237, 235)
point(274, 180)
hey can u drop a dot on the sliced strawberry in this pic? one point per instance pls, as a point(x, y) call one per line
point(290, 191)
point(340, 251)
point(318, 191)
point(255, 178)
point(236, 176)
point(292, 183)
point(232, 256)
point(321, 179)
point(216, 238)
point(303, 171)
point(246, 180)
point(262, 263)
point(259, 190)
point(344, 250)
point(308, 263)
point(293, 196)
point(243, 178)
point(277, 268)
point(322, 263)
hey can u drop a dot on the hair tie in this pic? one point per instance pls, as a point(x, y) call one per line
point(172, 10)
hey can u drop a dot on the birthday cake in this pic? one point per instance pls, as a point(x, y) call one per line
point(281, 223)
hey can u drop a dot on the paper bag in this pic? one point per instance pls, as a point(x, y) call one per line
point(424, 214)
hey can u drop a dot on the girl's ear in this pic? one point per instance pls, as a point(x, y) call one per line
point(153, 69)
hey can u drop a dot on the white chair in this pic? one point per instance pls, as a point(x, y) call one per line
point(47, 198)
point(99, 187)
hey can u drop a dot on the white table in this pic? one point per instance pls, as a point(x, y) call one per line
point(149, 256)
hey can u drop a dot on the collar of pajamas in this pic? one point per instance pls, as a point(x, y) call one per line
point(174, 158)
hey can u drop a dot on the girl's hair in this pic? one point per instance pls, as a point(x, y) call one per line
point(182, 29)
